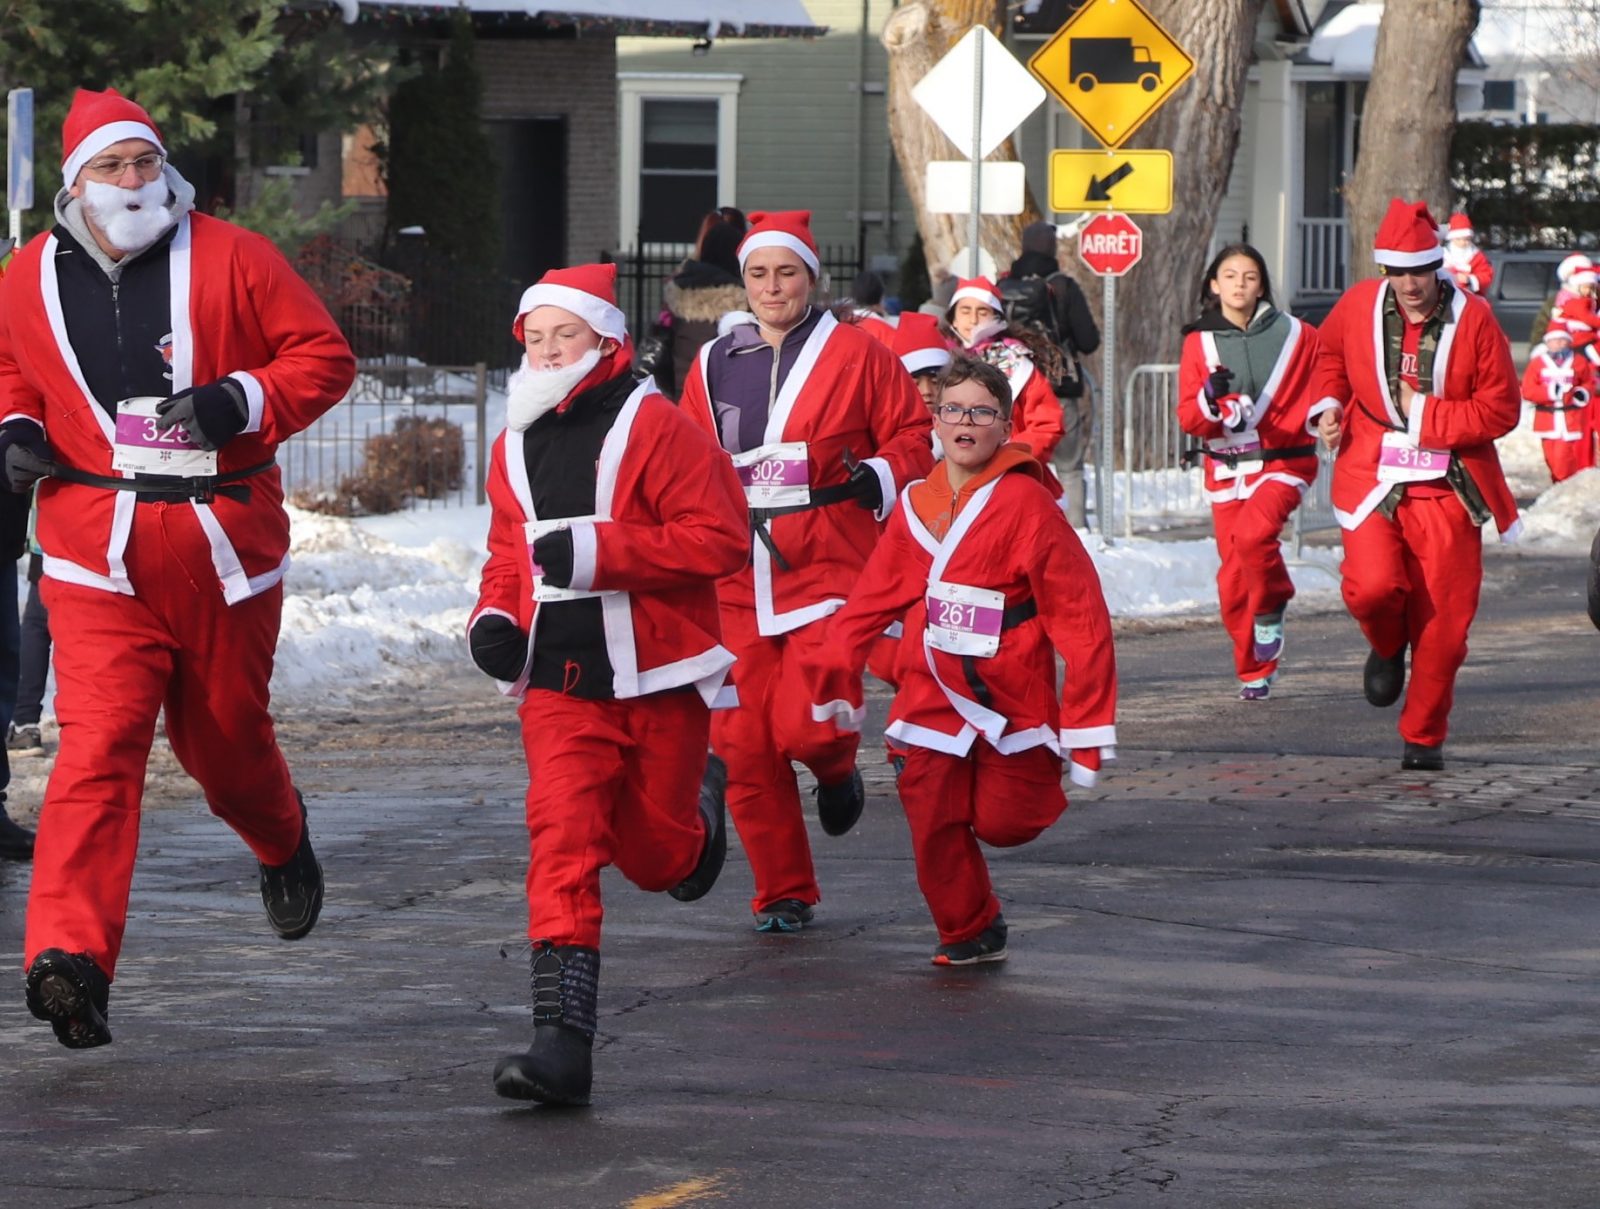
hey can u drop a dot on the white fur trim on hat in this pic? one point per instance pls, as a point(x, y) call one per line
point(99, 139)
point(779, 239)
point(924, 359)
point(992, 301)
point(599, 314)
point(1394, 259)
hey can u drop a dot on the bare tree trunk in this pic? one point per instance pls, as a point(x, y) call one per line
point(1409, 115)
point(1200, 124)
point(917, 35)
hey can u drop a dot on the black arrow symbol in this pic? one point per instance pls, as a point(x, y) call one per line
point(1100, 190)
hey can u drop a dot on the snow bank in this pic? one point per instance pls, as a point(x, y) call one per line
point(1522, 459)
point(1566, 516)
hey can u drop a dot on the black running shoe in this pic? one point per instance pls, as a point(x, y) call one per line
point(714, 812)
point(1382, 679)
point(988, 945)
point(1423, 757)
point(73, 994)
point(16, 841)
point(292, 891)
point(839, 806)
point(785, 915)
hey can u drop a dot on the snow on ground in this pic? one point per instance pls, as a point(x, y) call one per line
point(380, 598)
point(1566, 517)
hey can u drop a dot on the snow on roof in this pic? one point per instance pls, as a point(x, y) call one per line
point(1346, 38)
point(712, 18)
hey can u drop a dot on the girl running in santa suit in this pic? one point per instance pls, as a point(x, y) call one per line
point(1244, 388)
point(1028, 360)
point(824, 426)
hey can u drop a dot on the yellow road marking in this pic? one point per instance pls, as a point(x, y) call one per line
point(683, 1193)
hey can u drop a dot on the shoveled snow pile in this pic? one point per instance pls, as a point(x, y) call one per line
point(386, 598)
point(1522, 459)
point(1566, 516)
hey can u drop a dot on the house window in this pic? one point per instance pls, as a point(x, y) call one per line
point(677, 166)
point(679, 147)
point(1500, 94)
point(1324, 145)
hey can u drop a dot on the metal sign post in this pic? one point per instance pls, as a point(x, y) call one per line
point(1104, 496)
point(975, 222)
point(19, 156)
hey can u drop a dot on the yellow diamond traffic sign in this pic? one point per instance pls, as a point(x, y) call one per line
point(1112, 66)
point(1129, 182)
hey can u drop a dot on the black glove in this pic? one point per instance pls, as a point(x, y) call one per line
point(26, 455)
point(499, 646)
point(1217, 382)
point(865, 486)
point(214, 414)
point(553, 553)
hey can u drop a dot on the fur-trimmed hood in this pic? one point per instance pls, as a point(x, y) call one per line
point(708, 303)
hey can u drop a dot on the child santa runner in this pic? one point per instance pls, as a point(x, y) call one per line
point(993, 584)
point(612, 516)
point(1559, 385)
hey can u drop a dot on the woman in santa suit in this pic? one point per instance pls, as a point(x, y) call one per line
point(1028, 361)
point(612, 516)
point(1243, 388)
point(824, 426)
point(1559, 385)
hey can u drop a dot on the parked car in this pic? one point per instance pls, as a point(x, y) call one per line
point(1523, 283)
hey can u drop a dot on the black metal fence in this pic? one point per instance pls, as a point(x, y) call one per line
point(643, 275)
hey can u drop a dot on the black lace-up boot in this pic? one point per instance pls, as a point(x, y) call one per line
point(292, 891)
point(559, 1066)
point(72, 993)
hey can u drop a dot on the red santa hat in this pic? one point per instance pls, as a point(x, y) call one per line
point(1408, 237)
point(979, 289)
point(1557, 330)
point(1582, 277)
point(1571, 265)
point(920, 344)
point(1460, 227)
point(589, 291)
point(789, 229)
point(95, 121)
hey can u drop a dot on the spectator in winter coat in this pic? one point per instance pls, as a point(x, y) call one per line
point(698, 296)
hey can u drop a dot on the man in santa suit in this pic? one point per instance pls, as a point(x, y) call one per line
point(612, 518)
point(823, 425)
point(1414, 382)
point(1559, 385)
point(151, 361)
point(1468, 267)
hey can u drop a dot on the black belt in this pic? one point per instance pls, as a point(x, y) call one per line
point(170, 490)
point(821, 497)
point(1010, 619)
point(1190, 458)
point(1559, 406)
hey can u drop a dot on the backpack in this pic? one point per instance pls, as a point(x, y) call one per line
point(1030, 302)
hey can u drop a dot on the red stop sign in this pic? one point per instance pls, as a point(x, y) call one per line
point(1111, 244)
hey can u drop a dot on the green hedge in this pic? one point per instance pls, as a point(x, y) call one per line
point(1529, 186)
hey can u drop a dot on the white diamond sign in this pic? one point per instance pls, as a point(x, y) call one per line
point(1010, 93)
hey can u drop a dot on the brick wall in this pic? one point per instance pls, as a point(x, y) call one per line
point(578, 80)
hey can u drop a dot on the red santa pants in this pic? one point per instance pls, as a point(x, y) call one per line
point(609, 783)
point(1566, 458)
point(952, 802)
point(1252, 579)
point(1414, 581)
point(119, 660)
point(771, 727)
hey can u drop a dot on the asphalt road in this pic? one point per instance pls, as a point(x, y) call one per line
point(1259, 966)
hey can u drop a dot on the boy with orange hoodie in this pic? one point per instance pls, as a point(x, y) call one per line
point(993, 583)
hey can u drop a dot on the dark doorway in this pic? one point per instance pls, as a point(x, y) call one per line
point(533, 194)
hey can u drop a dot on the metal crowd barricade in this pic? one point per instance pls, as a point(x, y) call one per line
point(1151, 483)
point(1315, 513)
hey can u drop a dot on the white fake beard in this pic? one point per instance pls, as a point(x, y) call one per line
point(1459, 257)
point(532, 392)
point(130, 219)
point(985, 331)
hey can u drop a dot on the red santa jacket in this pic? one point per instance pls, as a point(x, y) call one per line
point(1473, 400)
point(1472, 272)
point(1010, 539)
point(1577, 312)
point(1549, 384)
point(846, 391)
point(672, 521)
point(239, 311)
point(1036, 419)
point(1277, 421)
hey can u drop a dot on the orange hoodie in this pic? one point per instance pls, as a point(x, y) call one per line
point(937, 505)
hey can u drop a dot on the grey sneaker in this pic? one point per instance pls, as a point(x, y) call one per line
point(25, 740)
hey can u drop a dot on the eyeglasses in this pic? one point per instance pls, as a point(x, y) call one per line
point(954, 413)
point(147, 166)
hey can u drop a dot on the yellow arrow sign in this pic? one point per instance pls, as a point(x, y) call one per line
point(1129, 182)
point(1112, 66)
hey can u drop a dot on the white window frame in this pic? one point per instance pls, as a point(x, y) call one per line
point(635, 87)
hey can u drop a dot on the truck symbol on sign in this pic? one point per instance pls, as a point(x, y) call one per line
point(1112, 61)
